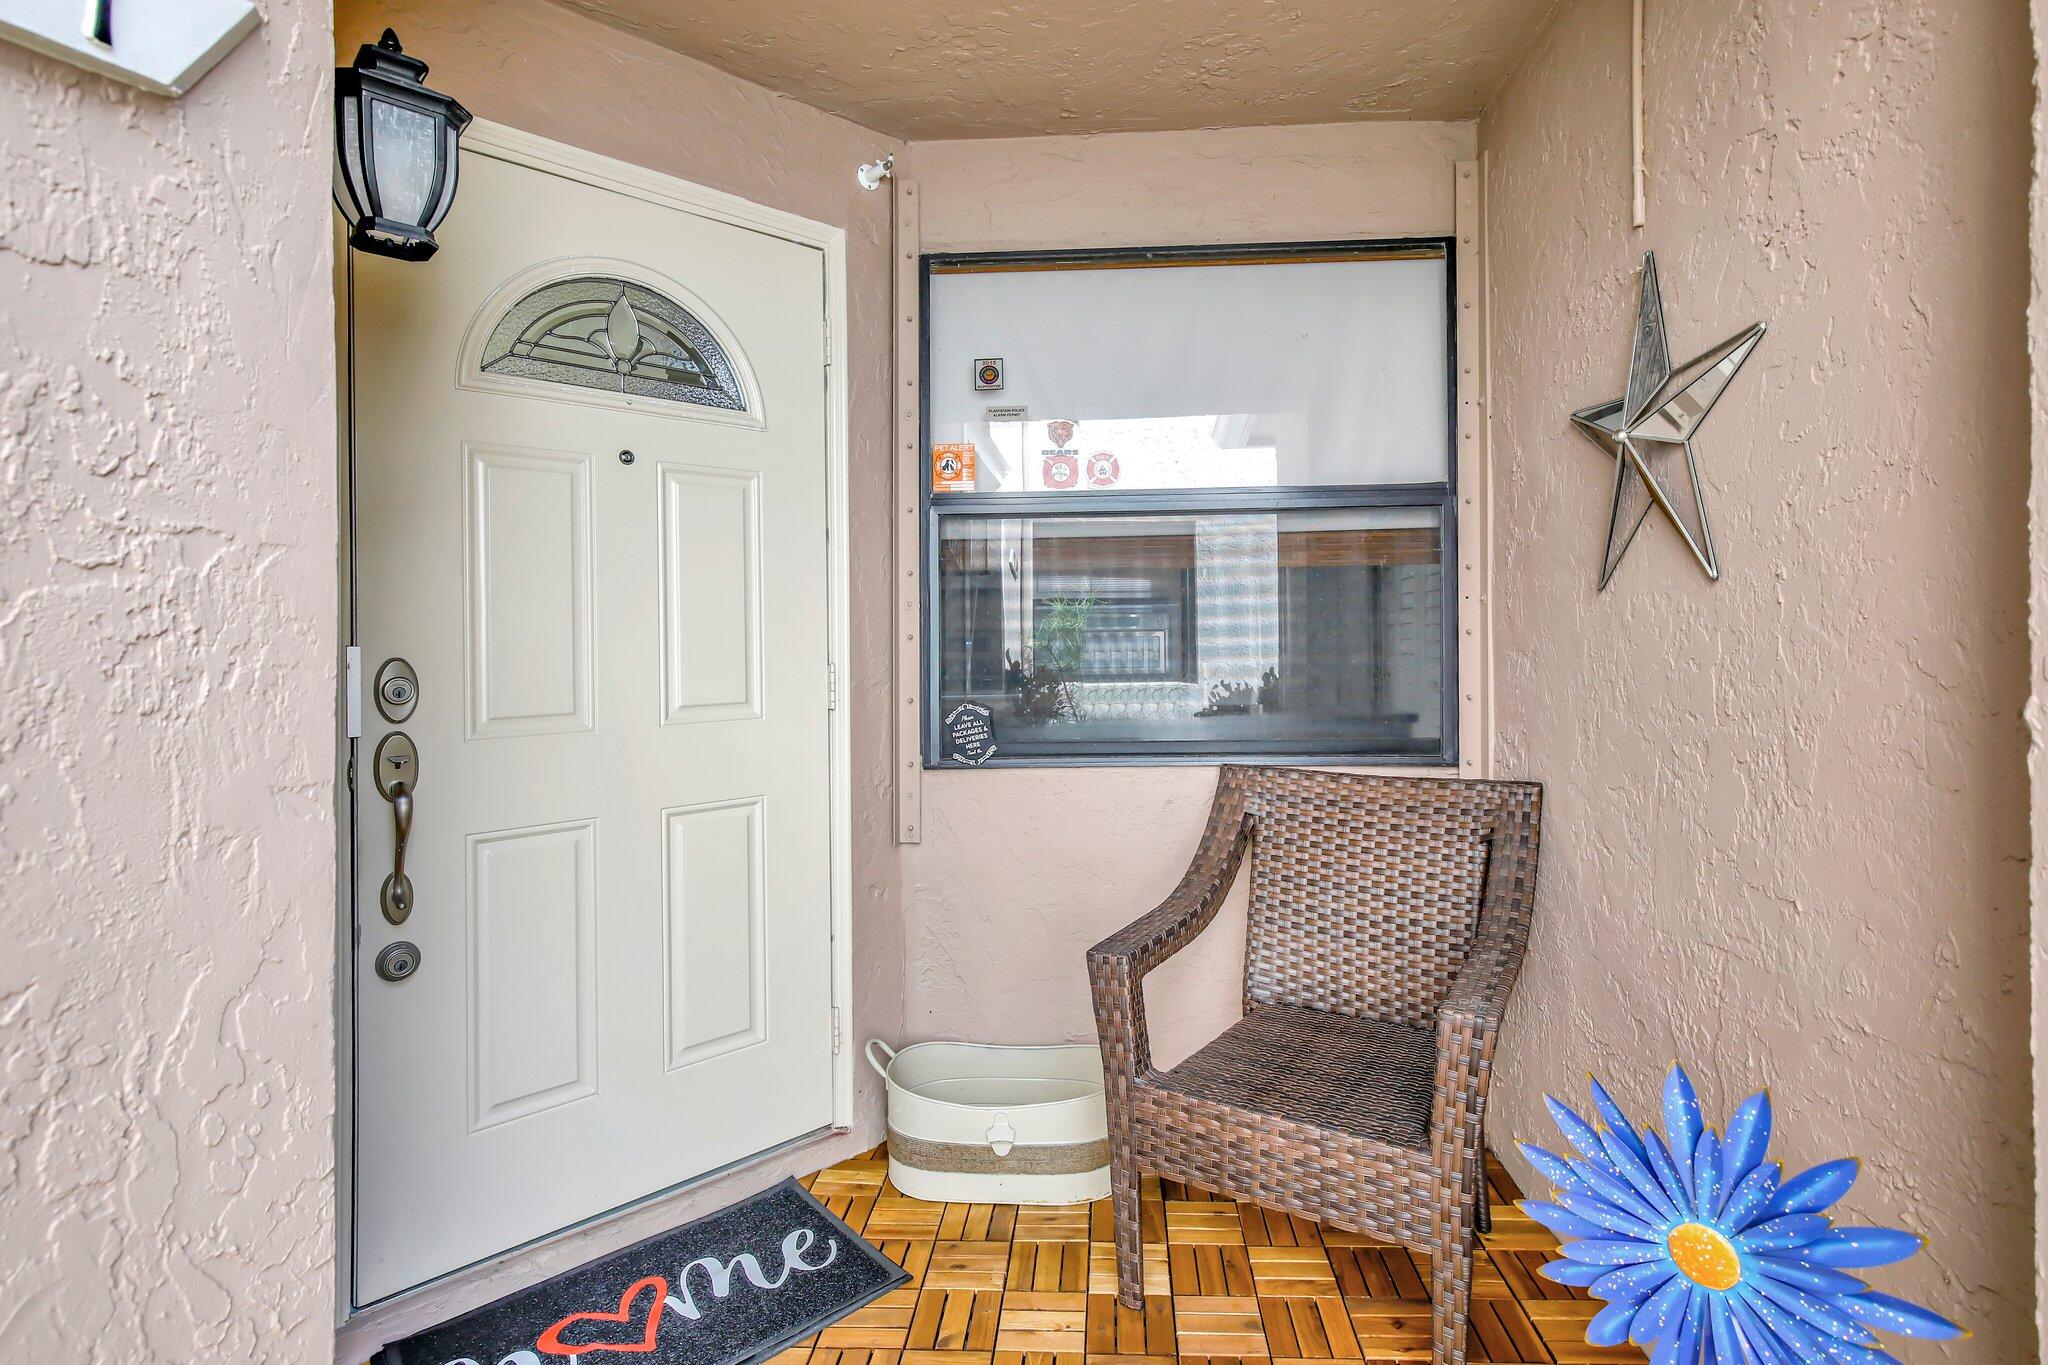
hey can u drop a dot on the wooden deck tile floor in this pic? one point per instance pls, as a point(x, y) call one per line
point(999, 1284)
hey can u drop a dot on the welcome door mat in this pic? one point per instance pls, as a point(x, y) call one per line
point(732, 1288)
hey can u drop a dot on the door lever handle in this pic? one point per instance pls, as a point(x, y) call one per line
point(397, 772)
point(397, 895)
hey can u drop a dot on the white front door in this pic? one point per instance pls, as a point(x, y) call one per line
point(591, 519)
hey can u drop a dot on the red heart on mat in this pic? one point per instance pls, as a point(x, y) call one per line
point(551, 1340)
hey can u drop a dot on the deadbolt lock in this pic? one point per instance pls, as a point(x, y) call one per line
point(398, 690)
point(398, 961)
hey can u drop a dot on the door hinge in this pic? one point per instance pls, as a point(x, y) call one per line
point(828, 341)
point(838, 1032)
point(831, 686)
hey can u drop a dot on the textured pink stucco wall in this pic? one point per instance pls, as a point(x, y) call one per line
point(167, 640)
point(561, 75)
point(1786, 831)
point(1322, 181)
point(1020, 870)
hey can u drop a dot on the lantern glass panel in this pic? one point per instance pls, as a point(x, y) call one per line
point(348, 178)
point(404, 144)
point(451, 157)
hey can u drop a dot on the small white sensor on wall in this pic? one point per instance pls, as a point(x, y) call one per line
point(875, 172)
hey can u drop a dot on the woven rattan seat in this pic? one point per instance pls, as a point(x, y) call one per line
point(1387, 923)
point(1370, 1078)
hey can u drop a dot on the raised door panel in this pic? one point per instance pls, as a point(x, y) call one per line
point(710, 594)
point(715, 922)
point(533, 969)
point(526, 533)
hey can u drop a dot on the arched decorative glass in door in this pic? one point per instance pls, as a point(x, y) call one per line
point(614, 335)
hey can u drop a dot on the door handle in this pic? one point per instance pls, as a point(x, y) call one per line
point(397, 770)
point(397, 895)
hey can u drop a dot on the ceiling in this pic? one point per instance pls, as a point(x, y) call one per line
point(923, 69)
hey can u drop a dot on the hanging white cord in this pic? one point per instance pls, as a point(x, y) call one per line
point(1642, 212)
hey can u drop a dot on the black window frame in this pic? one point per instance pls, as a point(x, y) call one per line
point(1442, 496)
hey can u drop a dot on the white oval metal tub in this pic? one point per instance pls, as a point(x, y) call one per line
point(971, 1123)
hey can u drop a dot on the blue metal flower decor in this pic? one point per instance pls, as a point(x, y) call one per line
point(1702, 1250)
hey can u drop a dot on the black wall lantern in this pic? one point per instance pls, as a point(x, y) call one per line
point(394, 151)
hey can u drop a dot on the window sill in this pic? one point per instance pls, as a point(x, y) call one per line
point(1369, 763)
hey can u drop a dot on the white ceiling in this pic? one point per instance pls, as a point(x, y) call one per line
point(922, 69)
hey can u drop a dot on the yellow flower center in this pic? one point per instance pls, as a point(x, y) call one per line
point(1704, 1256)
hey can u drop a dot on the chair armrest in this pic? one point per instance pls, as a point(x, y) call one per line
point(1117, 965)
point(1468, 1020)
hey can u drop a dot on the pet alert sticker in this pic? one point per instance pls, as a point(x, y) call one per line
point(953, 468)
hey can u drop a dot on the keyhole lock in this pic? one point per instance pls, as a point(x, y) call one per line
point(398, 960)
point(626, 457)
point(398, 690)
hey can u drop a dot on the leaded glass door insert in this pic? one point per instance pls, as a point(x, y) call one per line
point(614, 335)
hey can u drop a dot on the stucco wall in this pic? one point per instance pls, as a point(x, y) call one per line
point(564, 76)
point(167, 632)
point(1019, 870)
point(1786, 831)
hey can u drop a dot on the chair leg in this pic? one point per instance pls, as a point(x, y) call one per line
point(1450, 1289)
point(1130, 1246)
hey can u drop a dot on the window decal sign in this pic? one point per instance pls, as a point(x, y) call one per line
point(953, 467)
point(1061, 465)
point(988, 374)
point(968, 734)
point(1103, 470)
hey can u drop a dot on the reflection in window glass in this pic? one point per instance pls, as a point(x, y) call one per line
point(1241, 632)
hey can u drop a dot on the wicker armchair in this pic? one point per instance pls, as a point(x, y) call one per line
point(1388, 921)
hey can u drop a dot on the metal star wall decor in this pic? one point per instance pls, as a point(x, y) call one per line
point(1649, 432)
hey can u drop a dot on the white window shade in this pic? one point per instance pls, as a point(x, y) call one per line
point(1289, 373)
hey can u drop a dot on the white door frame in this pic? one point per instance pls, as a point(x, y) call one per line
point(485, 138)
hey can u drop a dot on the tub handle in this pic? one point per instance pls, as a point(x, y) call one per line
point(881, 1068)
point(1001, 1136)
